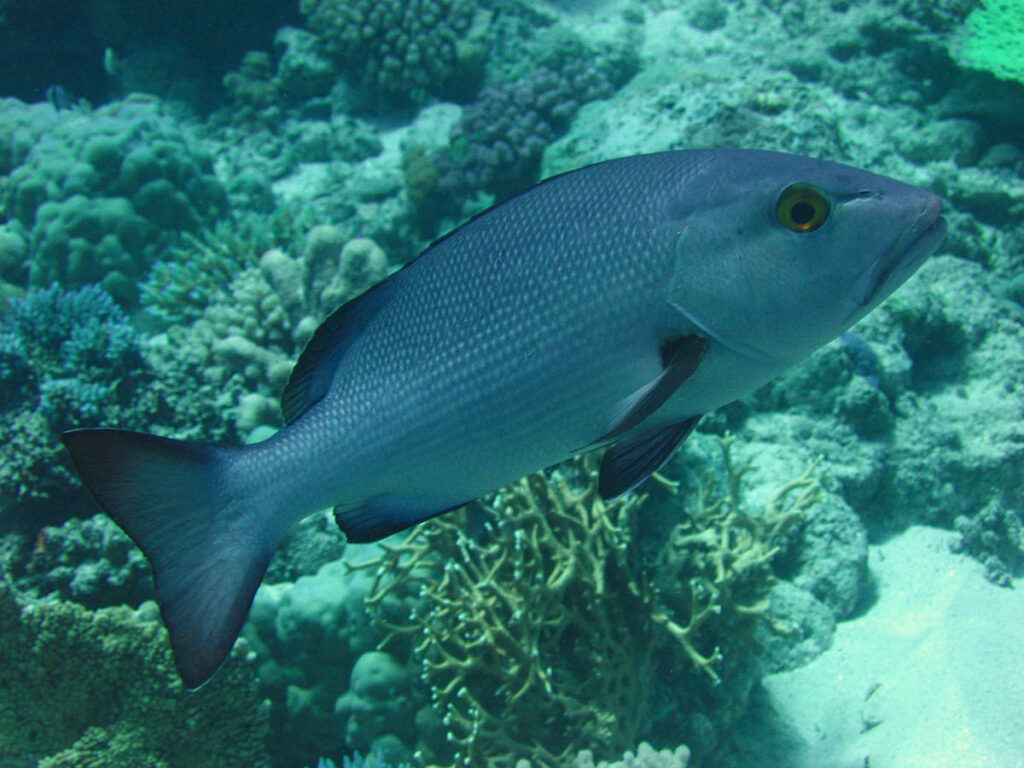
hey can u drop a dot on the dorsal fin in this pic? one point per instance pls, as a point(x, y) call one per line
point(312, 375)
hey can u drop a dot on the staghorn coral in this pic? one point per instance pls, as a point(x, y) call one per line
point(402, 51)
point(533, 630)
point(83, 689)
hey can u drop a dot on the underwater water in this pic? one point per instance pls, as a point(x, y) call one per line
point(826, 573)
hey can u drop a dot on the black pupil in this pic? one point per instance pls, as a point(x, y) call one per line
point(802, 212)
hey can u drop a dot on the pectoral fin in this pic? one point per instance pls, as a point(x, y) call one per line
point(680, 359)
point(628, 464)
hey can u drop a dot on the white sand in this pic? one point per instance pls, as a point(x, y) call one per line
point(932, 676)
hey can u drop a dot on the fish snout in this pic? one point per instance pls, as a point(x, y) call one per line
point(915, 243)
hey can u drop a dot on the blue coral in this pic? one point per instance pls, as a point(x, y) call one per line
point(69, 334)
point(67, 359)
point(497, 144)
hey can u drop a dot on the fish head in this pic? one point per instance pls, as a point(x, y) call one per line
point(777, 254)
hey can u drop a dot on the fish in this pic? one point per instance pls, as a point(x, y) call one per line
point(59, 97)
point(607, 307)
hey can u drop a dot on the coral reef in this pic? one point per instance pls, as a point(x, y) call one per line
point(96, 196)
point(380, 704)
point(356, 760)
point(714, 576)
point(995, 536)
point(90, 561)
point(497, 144)
point(403, 51)
point(81, 688)
point(298, 77)
point(537, 628)
point(308, 546)
point(531, 627)
point(188, 277)
point(645, 756)
point(240, 352)
point(67, 359)
point(308, 637)
point(916, 414)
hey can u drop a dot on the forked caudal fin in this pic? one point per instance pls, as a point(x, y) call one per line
point(204, 539)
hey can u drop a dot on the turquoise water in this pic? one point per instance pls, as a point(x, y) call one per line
point(828, 571)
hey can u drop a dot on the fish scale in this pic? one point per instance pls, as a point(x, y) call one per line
point(607, 307)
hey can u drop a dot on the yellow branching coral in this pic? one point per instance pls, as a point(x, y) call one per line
point(530, 635)
point(534, 624)
point(723, 556)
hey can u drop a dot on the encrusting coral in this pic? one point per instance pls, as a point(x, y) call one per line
point(84, 689)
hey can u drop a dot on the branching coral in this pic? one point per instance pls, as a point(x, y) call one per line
point(715, 572)
point(536, 625)
point(532, 635)
point(67, 359)
point(241, 349)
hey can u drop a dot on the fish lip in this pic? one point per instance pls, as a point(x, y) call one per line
point(917, 242)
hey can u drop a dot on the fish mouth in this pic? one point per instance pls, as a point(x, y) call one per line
point(893, 267)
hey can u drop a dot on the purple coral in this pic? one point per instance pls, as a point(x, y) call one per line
point(497, 145)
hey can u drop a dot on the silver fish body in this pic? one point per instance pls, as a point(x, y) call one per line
point(610, 306)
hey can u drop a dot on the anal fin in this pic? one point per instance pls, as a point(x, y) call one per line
point(381, 516)
point(628, 464)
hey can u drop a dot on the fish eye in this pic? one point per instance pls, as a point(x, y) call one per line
point(802, 208)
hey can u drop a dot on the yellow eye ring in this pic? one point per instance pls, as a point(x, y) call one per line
point(802, 208)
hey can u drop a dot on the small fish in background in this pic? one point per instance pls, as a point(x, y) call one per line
point(862, 356)
point(607, 307)
point(62, 100)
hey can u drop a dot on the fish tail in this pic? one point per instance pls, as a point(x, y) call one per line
point(206, 537)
